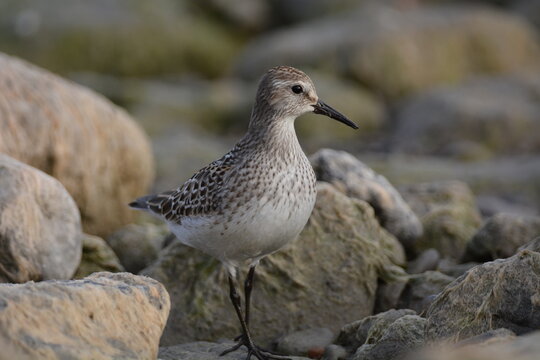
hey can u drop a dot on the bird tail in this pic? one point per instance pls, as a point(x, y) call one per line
point(141, 203)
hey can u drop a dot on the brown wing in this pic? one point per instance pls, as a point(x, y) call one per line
point(201, 195)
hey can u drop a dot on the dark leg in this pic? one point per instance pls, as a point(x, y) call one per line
point(245, 338)
point(248, 286)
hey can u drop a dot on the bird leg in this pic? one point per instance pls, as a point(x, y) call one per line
point(245, 339)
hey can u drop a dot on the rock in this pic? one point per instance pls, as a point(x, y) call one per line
point(489, 337)
point(521, 348)
point(450, 268)
point(96, 256)
point(421, 290)
point(475, 120)
point(138, 245)
point(390, 289)
point(118, 37)
point(334, 352)
point(103, 316)
point(202, 350)
point(501, 236)
point(514, 179)
point(359, 181)
point(532, 246)
point(427, 260)
point(369, 329)
point(78, 137)
point(301, 342)
point(373, 45)
point(491, 205)
point(398, 339)
point(448, 213)
point(503, 293)
point(40, 226)
point(334, 264)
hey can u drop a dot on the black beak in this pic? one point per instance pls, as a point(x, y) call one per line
point(323, 109)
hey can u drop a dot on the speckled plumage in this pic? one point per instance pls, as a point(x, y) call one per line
point(258, 196)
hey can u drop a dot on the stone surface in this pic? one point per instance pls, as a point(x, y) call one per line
point(301, 342)
point(202, 350)
point(450, 268)
point(474, 120)
point(334, 264)
point(421, 290)
point(502, 293)
point(103, 316)
point(525, 347)
point(96, 256)
point(335, 352)
point(448, 212)
point(91, 146)
point(369, 329)
point(138, 245)
point(117, 37)
point(359, 181)
point(533, 245)
point(501, 236)
point(396, 341)
point(40, 226)
point(380, 46)
point(427, 260)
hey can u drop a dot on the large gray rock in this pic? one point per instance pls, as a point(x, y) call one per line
point(373, 45)
point(475, 120)
point(397, 340)
point(501, 236)
point(334, 264)
point(103, 316)
point(503, 293)
point(40, 225)
point(449, 214)
point(421, 289)
point(359, 181)
point(91, 146)
point(369, 329)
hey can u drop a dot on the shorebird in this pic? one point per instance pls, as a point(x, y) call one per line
point(257, 197)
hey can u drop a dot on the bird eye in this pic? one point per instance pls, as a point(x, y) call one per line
point(297, 89)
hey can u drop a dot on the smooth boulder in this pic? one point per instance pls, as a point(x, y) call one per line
point(359, 181)
point(501, 236)
point(91, 146)
point(449, 214)
point(40, 225)
point(103, 316)
point(334, 264)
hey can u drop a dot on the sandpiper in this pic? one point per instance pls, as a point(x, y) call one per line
point(257, 197)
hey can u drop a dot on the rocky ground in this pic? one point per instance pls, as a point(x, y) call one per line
point(425, 239)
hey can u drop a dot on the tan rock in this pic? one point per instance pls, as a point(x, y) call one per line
point(325, 278)
point(103, 316)
point(40, 225)
point(94, 148)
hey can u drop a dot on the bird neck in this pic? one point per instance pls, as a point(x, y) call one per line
point(272, 130)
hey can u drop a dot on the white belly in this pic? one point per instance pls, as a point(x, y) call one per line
point(260, 227)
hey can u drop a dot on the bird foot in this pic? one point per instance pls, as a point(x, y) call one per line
point(253, 350)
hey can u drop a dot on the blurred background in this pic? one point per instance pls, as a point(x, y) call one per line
point(440, 89)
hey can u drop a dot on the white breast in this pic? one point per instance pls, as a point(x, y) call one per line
point(259, 226)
